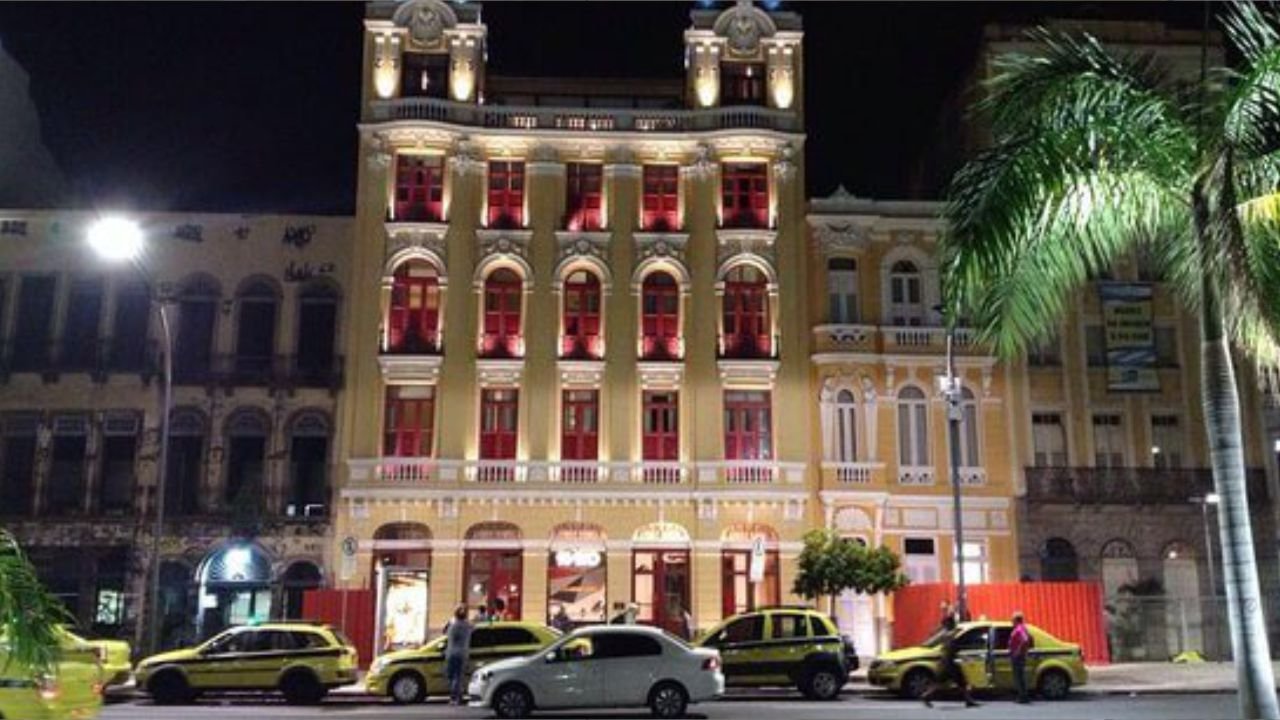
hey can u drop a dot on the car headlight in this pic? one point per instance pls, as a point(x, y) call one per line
point(484, 675)
point(378, 666)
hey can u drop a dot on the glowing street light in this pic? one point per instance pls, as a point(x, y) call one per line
point(115, 238)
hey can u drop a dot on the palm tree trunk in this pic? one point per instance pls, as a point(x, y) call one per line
point(1219, 397)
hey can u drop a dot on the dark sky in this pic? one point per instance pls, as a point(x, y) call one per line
point(240, 106)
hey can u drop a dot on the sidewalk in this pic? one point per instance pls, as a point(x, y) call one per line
point(1156, 678)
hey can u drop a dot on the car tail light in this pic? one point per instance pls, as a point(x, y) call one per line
point(711, 663)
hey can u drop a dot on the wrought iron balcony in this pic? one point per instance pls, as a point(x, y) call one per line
point(1129, 485)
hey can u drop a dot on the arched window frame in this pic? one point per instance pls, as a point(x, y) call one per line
point(907, 313)
point(498, 338)
point(259, 295)
point(414, 315)
point(913, 427)
point(760, 338)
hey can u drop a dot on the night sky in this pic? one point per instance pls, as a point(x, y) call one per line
point(252, 107)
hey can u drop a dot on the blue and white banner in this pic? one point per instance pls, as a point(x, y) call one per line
point(1130, 337)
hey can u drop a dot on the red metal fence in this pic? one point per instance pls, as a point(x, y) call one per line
point(1071, 611)
point(348, 610)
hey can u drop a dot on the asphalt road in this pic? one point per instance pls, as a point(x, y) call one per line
point(769, 707)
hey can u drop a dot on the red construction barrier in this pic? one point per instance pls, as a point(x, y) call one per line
point(1071, 611)
point(348, 610)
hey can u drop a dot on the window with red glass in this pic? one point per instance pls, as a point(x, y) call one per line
point(409, 421)
point(580, 425)
point(745, 195)
point(738, 593)
point(581, 316)
point(748, 429)
point(661, 202)
point(413, 322)
point(419, 188)
point(506, 194)
point(747, 333)
point(661, 429)
point(503, 292)
point(498, 428)
point(742, 83)
point(582, 198)
point(660, 317)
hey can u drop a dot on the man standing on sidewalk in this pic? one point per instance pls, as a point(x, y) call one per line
point(1020, 643)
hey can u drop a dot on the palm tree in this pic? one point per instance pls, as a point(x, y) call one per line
point(29, 615)
point(1095, 157)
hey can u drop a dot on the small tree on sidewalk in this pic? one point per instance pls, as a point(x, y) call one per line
point(830, 564)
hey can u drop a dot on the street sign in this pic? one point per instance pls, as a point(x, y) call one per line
point(347, 566)
point(755, 572)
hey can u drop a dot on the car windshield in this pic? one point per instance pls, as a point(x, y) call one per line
point(342, 637)
point(936, 638)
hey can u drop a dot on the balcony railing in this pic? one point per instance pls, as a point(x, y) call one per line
point(899, 340)
point(580, 119)
point(853, 473)
point(273, 371)
point(1129, 485)
point(916, 475)
point(425, 473)
point(98, 358)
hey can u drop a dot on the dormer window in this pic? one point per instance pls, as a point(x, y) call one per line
point(742, 83)
point(424, 75)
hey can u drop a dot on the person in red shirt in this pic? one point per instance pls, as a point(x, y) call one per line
point(1020, 642)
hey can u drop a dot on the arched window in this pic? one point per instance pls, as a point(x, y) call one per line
point(300, 577)
point(913, 427)
point(413, 324)
point(1058, 561)
point(1119, 566)
point(747, 332)
point(582, 338)
point(198, 299)
point(257, 301)
point(403, 544)
point(660, 317)
point(308, 492)
point(842, 290)
point(969, 429)
point(494, 568)
point(503, 296)
point(317, 327)
point(906, 294)
point(246, 448)
point(846, 409)
point(187, 432)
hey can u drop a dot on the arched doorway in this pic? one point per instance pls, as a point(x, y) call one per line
point(576, 574)
point(748, 568)
point(401, 579)
point(494, 568)
point(857, 614)
point(297, 579)
point(660, 577)
point(234, 588)
point(1119, 566)
point(177, 607)
point(1058, 561)
point(1183, 619)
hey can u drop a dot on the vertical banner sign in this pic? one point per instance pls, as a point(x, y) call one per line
point(755, 571)
point(1130, 337)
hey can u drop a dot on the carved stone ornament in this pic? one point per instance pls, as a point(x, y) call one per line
point(703, 165)
point(577, 245)
point(835, 237)
point(380, 153)
point(426, 20)
point(544, 153)
point(467, 159)
point(785, 166)
point(743, 26)
point(735, 244)
point(432, 240)
point(662, 245)
point(501, 242)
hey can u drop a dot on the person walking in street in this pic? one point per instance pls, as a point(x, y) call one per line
point(456, 649)
point(951, 670)
point(1020, 644)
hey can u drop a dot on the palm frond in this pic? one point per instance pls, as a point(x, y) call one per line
point(29, 615)
point(1251, 102)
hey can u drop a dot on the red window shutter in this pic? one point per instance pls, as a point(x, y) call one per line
point(419, 188)
point(660, 317)
point(499, 411)
point(580, 426)
point(746, 314)
point(744, 195)
point(413, 320)
point(661, 441)
point(506, 194)
point(748, 425)
point(503, 292)
point(409, 421)
point(581, 316)
point(661, 202)
point(584, 182)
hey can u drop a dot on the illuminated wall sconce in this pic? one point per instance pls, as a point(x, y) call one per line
point(386, 65)
point(706, 76)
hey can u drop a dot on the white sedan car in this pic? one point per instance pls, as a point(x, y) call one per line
point(603, 666)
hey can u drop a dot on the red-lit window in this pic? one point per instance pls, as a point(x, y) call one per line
point(413, 323)
point(506, 194)
point(409, 421)
point(581, 316)
point(661, 428)
point(580, 426)
point(748, 429)
point(746, 314)
point(660, 317)
point(502, 298)
point(742, 83)
point(419, 188)
point(738, 593)
point(661, 211)
point(744, 192)
point(498, 417)
point(582, 198)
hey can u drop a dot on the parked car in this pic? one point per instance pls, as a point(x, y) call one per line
point(410, 676)
point(114, 655)
point(73, 691)
point(302, 661)
point(784, 646)
point(1054, 666)
point(602, 666)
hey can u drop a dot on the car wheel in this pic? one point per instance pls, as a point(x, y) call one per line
point(170, 688)
point(916, 682)
point(302, 688)
point(512, 701)
point(1054, 685)
point(407, 688)
point(668, 700)
point(822, 683)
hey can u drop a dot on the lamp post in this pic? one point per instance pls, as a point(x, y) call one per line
point(950, 387)
point(1210, 499)
point(118, 239)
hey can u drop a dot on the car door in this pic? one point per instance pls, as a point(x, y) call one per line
point(567, 676)
point(482, 648)
point(220, 664)
point(1001, 666)
point(740, 645)
point(264, 655)
point(787, 646)
point(628, 663)
point(971, 654)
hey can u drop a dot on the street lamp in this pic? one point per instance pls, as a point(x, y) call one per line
point(1208, 499)
point(950, 388)
point(120, 239)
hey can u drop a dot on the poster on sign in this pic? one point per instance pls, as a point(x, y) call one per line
point(1130, 337)
point(755, 572)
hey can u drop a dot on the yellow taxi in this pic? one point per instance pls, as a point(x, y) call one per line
point(410, 676)
point(982, 651)
point(303, 661)
point(72, 691)
point(114, 655)
point(784, 646)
